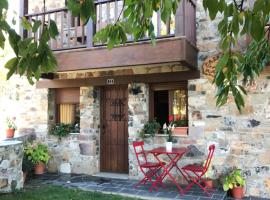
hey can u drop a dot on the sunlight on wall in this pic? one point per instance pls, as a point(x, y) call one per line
point(8, 107)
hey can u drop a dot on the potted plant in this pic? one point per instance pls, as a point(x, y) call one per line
point(208, 177)
point(168, 130)
point(180, 125)
point(62, 130)
point(149, 129)
point(38, 154)
point(235, 182)
point(11, 127)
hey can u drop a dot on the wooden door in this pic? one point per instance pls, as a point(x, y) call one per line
point(114, 130)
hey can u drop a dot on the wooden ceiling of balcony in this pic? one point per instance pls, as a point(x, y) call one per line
point(169, 50)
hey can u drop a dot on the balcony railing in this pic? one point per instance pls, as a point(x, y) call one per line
point(73, 34)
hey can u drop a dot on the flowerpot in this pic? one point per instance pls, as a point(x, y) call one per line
point(169, 146)
point(180, 131)
point(209, 183)
point(40, 168)
point(237, 192)
point(10, 133)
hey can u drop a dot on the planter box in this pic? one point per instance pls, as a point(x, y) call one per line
point(180, 131)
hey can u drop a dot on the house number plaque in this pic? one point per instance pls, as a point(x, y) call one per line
point(110, 81)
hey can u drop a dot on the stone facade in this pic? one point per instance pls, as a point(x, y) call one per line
point(11, 175)
point(79, 153)
point(242, 140)
point(30, 107)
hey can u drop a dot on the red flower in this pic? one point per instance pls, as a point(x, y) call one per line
point(171, 118)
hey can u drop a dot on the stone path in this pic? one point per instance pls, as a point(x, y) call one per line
point(124, 187)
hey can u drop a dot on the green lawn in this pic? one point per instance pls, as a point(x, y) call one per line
point(58, 193)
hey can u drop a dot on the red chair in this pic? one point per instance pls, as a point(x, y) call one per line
point(199, 172)
point(149, 169)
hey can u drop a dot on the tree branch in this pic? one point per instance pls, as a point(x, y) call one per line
point(120, 13)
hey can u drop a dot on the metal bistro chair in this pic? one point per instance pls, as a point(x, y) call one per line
point(199, 172)
point(149, 169)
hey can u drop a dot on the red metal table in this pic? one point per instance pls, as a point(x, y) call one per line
point(175, 155)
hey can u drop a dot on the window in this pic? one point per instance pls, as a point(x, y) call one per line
point(68, 106)
point(168, 102)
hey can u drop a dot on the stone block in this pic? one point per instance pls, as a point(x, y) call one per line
point(65, 168)
point(87, 149)
point(3, 183)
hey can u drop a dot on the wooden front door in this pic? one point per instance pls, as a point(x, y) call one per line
point(114, 130)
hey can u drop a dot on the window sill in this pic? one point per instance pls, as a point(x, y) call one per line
point(74, 133)
point(163, 135)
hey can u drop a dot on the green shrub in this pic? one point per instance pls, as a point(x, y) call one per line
point(37, 152)
point(234, 179)
point(63, 130)
point(150, 128)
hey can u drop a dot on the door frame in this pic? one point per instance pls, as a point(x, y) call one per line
point(102, 104)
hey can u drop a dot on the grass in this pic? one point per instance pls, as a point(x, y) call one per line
point(43, 192)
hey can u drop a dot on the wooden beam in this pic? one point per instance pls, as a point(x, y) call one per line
point(119, 80)
point(143, 53)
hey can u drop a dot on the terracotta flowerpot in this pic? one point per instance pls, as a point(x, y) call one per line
point(40, 168)
point(10, 133)
point(209, 183)
point(180, 131)
point(237, 192)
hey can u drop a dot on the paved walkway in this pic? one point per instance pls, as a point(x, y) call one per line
point(125, 187)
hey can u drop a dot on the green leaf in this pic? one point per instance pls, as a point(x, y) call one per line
point(23, 46)
point(222, 62)
point(2, 39)
point(74, 6)
point(4, 4)
point(22, 66)
point(257, 29)
point(12, 66)
point(14, 39)
point(53, 29)
point(26, 24)
point(36, 25)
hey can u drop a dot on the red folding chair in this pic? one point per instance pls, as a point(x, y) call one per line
point(199, 172)
point(149, 169)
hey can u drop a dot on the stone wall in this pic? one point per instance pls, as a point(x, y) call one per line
point(79, 153)
point(138, 115)
point(28, 105)
point(242, 140)
point(11, 175)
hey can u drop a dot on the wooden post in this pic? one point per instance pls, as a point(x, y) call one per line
point(180, 19)
point(23, 10)
point(89, 33)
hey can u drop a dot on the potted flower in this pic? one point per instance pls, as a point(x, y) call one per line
point(11, 127)
point(38, 154)
point(235, 182)
point(149, 129)
point(180, 125)
point(168, 130)
point(208, 177)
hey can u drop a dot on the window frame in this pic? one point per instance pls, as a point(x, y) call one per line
point(73, 98)
point(182, 85)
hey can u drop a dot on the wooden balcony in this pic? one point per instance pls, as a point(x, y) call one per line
point(75, 49)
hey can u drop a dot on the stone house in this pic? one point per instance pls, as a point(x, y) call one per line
point(112, 94)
